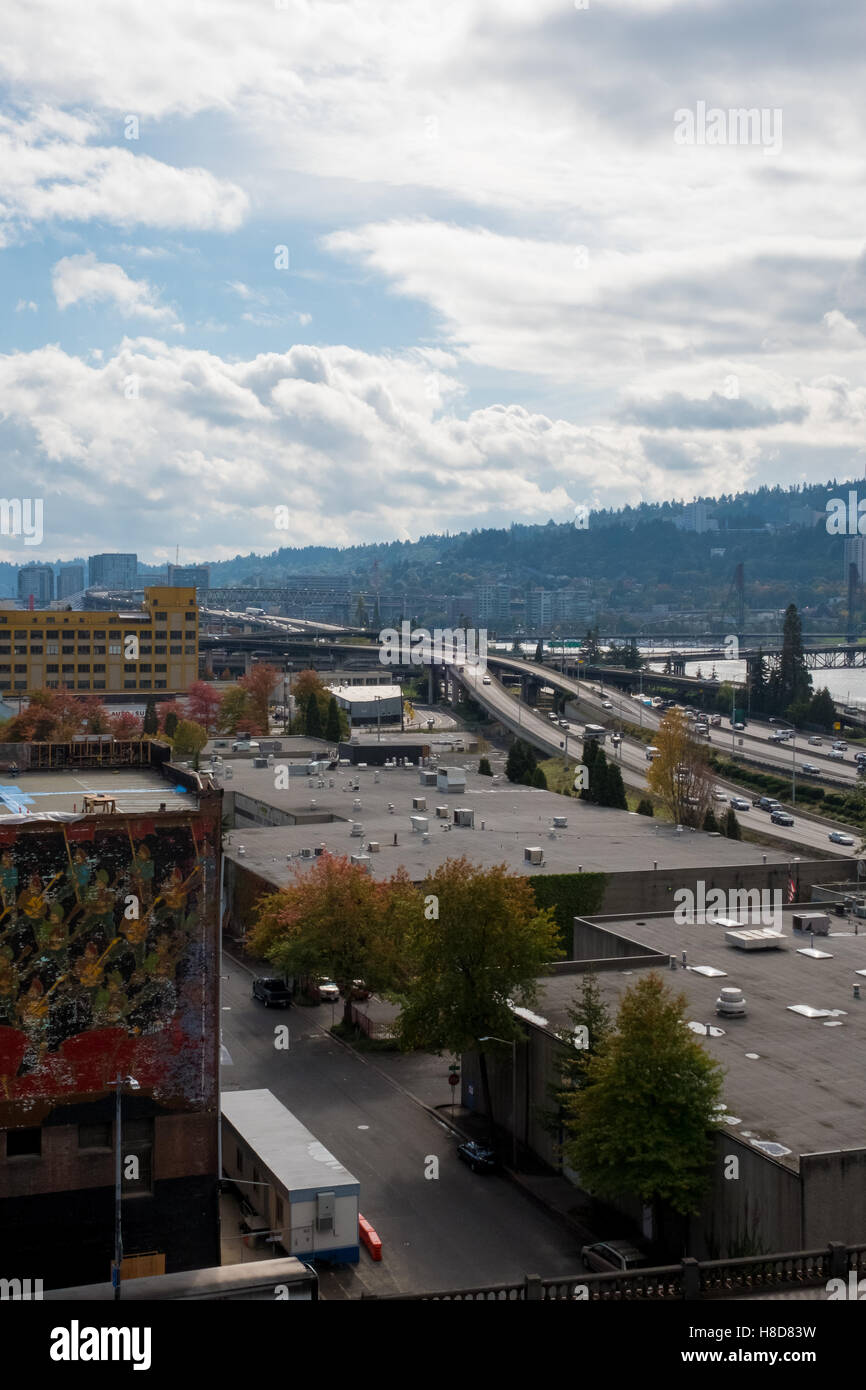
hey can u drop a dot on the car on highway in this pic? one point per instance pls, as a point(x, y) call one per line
point(781, 818)
point(480, 1157)
point(485, 680)
point(836, 755)
point(272, 992)
point(607, 704)
point(563, 724)
point(838, 837)
point(740, 803)
point(740, 727)
point(810, 769)
point(840, 746)
point(618, 1255)
point(719, 794)
point(554, 716)
point(815, 741)
point(767, 803)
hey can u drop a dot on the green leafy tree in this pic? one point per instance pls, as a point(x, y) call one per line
point(732, 827)
point(614, 788)
point(539, 779)
point(520, 761)
point(189, 739)
point(822, 710)
point(642, 1124)
point(487, 945)
point(589, 1028)
point(710, 822)
point(793, 680)
point(484, 768)
point(233, 710)
point(151, 723)
point(539, 652)
point(332, 728)
point(171, 722)
point(645, 807)
point(312, 718)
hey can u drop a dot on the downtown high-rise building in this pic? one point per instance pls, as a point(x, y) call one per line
point(36, 583)
point(113, 571)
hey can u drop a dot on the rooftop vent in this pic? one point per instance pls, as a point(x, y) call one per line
point(533, 854)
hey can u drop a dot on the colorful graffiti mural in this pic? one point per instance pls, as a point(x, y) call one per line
point(107, 949)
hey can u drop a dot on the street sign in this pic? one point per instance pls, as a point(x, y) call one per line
point(453, 1080)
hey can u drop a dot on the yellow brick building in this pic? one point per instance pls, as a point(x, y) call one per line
point(149, 650)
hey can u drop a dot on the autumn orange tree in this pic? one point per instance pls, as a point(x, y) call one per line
point(335, 919)
point(203, 704)
point(258, 685)
point(680, 774)
point(479, 947)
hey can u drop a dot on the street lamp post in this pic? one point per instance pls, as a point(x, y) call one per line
point(786, 725)
point(119, 1082)
point(513, 1093)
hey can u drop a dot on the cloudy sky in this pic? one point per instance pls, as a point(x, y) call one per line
point(408, 267)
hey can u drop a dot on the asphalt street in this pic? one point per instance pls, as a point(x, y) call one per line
point(458, 1230)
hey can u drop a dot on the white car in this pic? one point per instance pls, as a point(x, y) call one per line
point(606, 704)
point(328, 991)
point(485, 680)
point(719, 794)
point(815, 741)
point(838, 837)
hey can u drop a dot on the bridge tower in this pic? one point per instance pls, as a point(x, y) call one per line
point(853, 584)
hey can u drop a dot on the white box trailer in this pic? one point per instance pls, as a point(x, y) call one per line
point(309, 1201)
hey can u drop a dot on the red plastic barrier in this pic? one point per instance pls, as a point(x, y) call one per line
point(369, 1238)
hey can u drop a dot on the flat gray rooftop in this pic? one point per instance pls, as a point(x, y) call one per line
point(134, 789)
point(803, 1087)
point(286, 1147)
point(515, 818)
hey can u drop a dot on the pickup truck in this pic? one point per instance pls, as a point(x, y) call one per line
point(272, 992)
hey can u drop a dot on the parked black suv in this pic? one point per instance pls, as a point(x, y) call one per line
point(272, 991)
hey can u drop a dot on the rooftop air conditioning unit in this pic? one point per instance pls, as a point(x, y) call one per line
point(533, 854)
point(357, 828)
point(464, 815)
point(419, 824)
point(306, 854)
point(356, 804)
point(817, 922)
point(373, 847)
point(560, 822)
point(442, 812)
point(320, 849)
point(313, 805)
point(419, 803)
point(362, 859)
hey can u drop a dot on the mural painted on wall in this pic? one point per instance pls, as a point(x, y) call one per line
point(105, 931)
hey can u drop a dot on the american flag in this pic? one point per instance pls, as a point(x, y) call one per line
point(792, 890)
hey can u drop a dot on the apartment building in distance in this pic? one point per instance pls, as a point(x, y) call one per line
point(36, 582)
point(148, 650)
point(189, 576)
point(70, 580)
point(113, 571)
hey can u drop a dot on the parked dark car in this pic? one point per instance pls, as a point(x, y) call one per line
point(618, 1255)
point(480, 1157)
point(272, 992)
